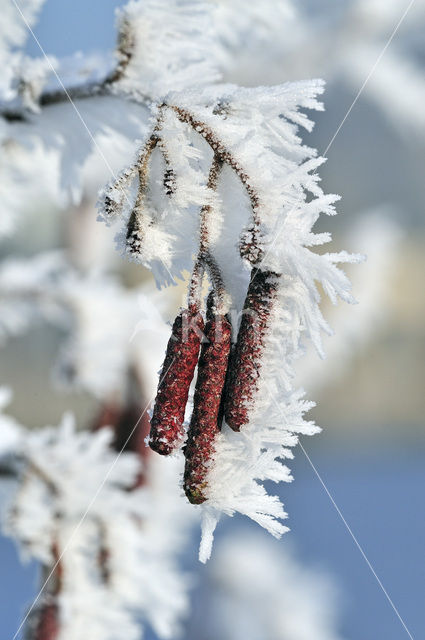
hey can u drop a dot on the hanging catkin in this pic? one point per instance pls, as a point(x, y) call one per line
point(176, 375)
point(204, 424)
point(245, 364)
point(47, 624)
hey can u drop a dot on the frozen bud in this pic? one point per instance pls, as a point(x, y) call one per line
point(117, 194)
point(245, 363)
point(136, 232)
point(250, 247)
point(169, 181)
point(176, 376)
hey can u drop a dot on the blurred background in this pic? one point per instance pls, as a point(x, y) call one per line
point(370, 391)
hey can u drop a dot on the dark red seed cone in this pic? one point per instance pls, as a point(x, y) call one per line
point(245, 363)
point(131, 425)
point(176, 375)
point(204, 424)
point(130, 421)
point(47, 625)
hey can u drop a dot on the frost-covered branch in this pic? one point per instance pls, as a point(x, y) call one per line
point(254, 134)
point(29, 91)
point(104, 573)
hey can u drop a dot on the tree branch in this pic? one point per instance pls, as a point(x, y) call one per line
point(105, 87)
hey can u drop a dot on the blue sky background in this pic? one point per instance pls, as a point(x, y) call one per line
point(70, 25)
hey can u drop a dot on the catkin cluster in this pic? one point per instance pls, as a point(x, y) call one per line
point(226, 384)
point(227, 375)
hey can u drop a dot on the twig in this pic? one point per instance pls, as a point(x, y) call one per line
point(134, 226)
point(105, 87)
point(205, 259)
point(249, 247)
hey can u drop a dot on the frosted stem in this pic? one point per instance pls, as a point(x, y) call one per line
point(134, 224)
point(205, 259)
point(249, 249)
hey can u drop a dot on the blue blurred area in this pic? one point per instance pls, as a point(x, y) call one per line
point(380, 493)
point(18, 587)
point(74, 25)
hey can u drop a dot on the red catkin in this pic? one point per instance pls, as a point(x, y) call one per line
point(245, 362)
point(47, 625)
point(176, 375)
point(204, 424)
point(131, 426)
point(129, 420)
point(130, 423)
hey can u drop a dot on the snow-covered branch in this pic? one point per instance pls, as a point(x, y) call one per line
point(104, 574)
point(254, 135)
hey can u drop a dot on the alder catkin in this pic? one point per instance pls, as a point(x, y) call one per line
point(245, 363)
point(131, 425)
point(176, 375)
point(47, 625)
point(204, 424)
